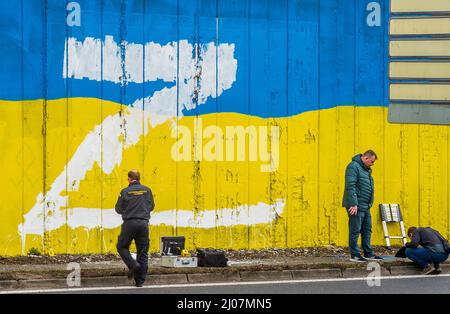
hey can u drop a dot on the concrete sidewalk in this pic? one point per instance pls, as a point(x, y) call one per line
point(241, 267)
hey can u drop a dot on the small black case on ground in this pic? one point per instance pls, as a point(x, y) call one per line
point(211, 258)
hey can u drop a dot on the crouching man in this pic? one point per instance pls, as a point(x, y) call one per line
point(135, 204)
point(434, 249)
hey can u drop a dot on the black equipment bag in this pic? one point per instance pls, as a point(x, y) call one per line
point(211, 258)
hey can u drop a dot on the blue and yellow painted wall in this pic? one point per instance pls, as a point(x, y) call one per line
point(91, 89)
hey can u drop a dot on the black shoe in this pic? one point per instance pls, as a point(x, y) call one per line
point(133, 270)
point(358, 258)
point(373, 258)
point(139, 285)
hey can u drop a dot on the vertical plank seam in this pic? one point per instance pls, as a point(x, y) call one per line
point(178, 116)
point(44, 121)
point(22, 129)
point(217, 119)
point(286, 220)
point(101, 125)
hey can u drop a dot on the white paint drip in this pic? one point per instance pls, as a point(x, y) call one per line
point(123, 130)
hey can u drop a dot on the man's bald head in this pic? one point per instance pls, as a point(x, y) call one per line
point(134, 175)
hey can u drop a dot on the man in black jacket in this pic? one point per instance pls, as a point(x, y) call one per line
point(433, 249)
point(135, 204)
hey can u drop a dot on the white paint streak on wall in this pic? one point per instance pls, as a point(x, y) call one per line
point(160, 61)
point(90, 218)
point(260, 213)
point(121, 131)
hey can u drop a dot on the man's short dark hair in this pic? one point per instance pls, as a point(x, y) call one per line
point(411, 230)
point(134, 175)
point(370, 153)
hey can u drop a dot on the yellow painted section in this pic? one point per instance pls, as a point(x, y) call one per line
point(404, 6)
point(420, 92)
point(419, 48)
point(426, 70)
point(419, 26)
point(315, 147)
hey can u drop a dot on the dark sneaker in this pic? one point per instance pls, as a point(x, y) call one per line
point(139, 285)
point(358, 258)
point(373, 258)
point(428, 270)
point(132, 271)
point(437, 269)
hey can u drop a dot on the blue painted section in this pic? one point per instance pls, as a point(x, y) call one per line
point(293, 55)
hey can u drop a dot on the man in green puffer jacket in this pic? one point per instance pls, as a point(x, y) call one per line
point(358, 199)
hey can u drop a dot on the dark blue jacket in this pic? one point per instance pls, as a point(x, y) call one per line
point(359, 187)
point(428, 238)
point(135, 202)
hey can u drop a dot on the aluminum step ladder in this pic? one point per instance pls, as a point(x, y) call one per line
point(391, 213)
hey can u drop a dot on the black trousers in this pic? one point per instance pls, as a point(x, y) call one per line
point(137, 230)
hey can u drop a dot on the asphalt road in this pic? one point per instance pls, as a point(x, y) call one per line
point(397, 285)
